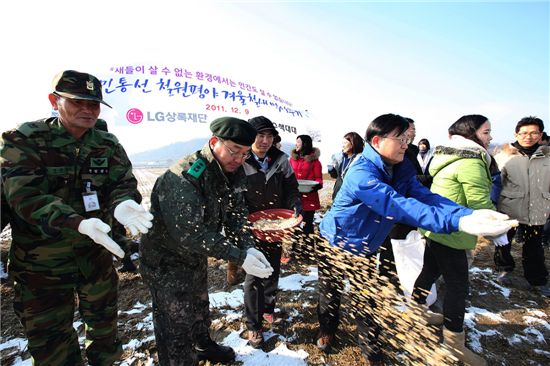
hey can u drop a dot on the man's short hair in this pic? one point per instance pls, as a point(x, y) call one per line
point(385, 124)
point(528, 121)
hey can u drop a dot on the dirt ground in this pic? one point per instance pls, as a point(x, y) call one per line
point(299, 307)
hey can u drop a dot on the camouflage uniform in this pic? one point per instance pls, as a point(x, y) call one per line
point(45, 172)
point(199, 212)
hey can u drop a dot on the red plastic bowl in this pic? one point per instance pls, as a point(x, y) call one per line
point(273, 235)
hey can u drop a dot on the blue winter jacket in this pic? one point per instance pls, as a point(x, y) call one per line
point(370, 202)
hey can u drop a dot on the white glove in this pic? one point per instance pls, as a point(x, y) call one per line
point(256, 264)
point(132, 215)
point(500, 240)
point(486, 223)
point(97, 230)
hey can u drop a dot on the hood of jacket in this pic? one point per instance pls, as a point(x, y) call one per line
point(458, 148)
point(315, 154)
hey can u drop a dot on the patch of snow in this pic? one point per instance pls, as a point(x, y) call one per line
point(534, 321)
point(474, 337)
point(296, 281)
point(20, 343)
point(541, 352)
point(138, 308)
point(472, 311)
point(20, 362)
point(146, 323)
point(536, 312)
point(230, 299)
point(280, 356)
point(503, 290)
point(532, 335)
point(230, 314)
point(477, 270)
point(3, 273)
point(293, 314)
point(135, 343)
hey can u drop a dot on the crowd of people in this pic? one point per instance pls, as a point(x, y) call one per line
point(66, 182)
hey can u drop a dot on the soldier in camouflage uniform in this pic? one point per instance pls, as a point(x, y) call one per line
point(61, 179)
point(199, 211)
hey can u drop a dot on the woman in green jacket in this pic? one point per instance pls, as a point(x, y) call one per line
point(461, 173)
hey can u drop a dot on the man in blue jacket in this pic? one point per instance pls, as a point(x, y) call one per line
point(380, 190)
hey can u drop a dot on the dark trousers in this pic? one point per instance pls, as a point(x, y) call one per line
point(452, 264)
point(532, 254)
point(47, 314)
point(181, 315)
point(546, 233)
point(308, 217)
point(305, 247)
point(260, 293)
point(335, 265)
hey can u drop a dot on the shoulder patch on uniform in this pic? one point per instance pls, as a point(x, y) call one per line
point(28, 128)
point(197, 168)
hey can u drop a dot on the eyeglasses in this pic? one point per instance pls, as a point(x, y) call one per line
point(531, 134)
point(233, 153)
point(404, 140)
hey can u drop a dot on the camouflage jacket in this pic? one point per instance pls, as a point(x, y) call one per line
point(45, 172)
point(199, 211)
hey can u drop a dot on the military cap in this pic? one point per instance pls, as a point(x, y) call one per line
point(262, 123)
point(234, 129)
point(78, 85)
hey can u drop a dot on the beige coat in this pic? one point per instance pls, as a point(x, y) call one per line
point(525, 192)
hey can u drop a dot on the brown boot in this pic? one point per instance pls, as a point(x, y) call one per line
point(455, 342)
point(234, 275)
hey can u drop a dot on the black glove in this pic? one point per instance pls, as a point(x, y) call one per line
point(298, 209)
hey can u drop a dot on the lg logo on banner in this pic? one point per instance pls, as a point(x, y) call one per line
point(134, 116)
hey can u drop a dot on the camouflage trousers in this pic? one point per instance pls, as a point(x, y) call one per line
point(47, 315)
point(181, 314)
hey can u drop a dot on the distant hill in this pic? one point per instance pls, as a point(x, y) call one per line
point(166, 155)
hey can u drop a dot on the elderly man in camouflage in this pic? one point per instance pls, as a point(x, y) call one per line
point(62, 178)
point(199, 211)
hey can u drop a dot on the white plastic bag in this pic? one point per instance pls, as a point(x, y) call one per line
point(409, 257)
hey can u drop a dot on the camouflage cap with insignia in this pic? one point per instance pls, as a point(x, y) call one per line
point(78, 85)
point(234, 129)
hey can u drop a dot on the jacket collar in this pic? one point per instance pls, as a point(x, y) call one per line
point(372, 155)
point(62, 137)
point(399, 171)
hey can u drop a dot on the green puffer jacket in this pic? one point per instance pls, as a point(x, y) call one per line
point(461, 173)
point(198, 211)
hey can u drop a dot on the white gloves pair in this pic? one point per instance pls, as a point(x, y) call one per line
point(129, 213)
point(486, 223)
point(256, 264)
